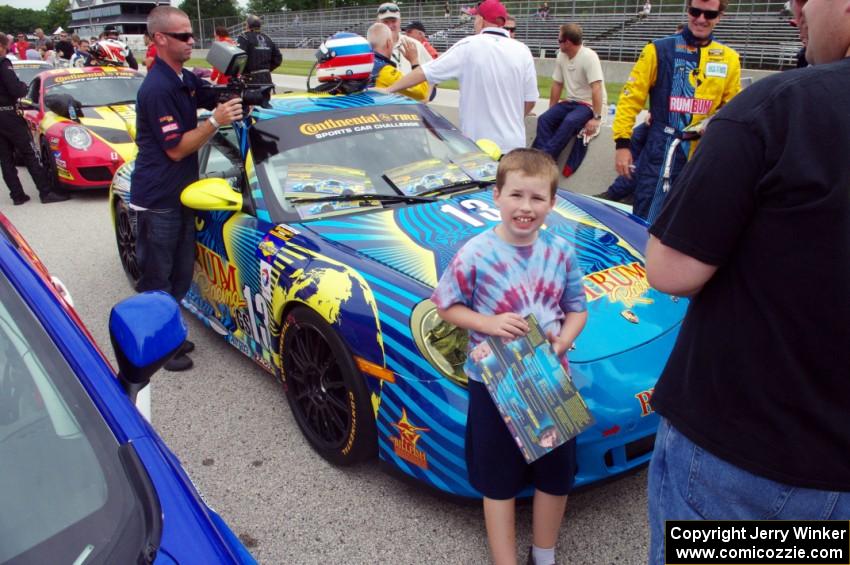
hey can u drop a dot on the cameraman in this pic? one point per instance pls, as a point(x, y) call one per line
point(168, 137)
point(263, 55)
point(14, 134)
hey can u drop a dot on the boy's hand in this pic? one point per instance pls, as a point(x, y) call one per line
point(508, 325)
point(559, 347)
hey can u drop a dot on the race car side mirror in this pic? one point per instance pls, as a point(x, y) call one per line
point(211, 194)
point(64, 105)
point(26, 104)
point(146, 331)
point(489, 148)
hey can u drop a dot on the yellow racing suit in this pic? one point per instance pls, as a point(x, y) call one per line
point(685, 84)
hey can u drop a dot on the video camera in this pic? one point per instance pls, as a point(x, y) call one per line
point(230, 61)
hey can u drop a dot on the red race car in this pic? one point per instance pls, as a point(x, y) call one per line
point(83, 122)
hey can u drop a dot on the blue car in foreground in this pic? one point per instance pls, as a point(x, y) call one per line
point(84, 478)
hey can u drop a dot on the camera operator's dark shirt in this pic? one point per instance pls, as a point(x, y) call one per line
point(166, 108)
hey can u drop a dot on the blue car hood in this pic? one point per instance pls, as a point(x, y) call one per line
point(419, 240)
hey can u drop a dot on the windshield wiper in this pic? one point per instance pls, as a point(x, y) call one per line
point(360, 197)
point(118, 103)
point(456, 187)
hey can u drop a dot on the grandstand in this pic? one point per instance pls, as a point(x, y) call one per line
point(758, 32)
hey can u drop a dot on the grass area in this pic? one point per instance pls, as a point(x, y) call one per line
point(301, 68)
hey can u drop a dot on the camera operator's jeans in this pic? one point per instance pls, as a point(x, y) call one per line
point(687, 482)
point(165, 250)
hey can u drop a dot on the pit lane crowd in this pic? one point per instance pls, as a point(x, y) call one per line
point(747, 199)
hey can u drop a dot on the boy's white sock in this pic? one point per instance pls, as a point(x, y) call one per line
point(543, 556)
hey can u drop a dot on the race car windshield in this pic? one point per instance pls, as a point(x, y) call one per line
point(65, 489)
point(26, 74)
point(394, 150)
point(97, 90)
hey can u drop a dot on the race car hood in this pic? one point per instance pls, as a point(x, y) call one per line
point(113, 125)
point(418, 241)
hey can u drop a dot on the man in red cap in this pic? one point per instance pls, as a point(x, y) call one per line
point(498, 79)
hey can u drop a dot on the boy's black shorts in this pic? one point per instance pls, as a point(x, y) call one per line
point(496, 465)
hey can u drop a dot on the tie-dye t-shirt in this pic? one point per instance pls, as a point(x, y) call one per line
point(491, 276)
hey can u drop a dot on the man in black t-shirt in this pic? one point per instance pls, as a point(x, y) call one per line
point(63, 47)
point(755, 397)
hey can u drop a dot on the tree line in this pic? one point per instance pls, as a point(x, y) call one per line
point(17, 20)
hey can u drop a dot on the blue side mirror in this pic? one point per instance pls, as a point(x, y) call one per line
point(146, 331)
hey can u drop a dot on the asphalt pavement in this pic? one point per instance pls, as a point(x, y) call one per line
point(229, 423)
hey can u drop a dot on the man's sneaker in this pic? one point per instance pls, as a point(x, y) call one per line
point(179, 363)
point(22, 199)
point(605, 195)
point(186, 347)
point(50, 197)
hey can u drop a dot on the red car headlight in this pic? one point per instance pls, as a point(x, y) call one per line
point(77, 137)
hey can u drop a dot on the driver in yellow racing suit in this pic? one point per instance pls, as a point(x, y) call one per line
point(687, 77)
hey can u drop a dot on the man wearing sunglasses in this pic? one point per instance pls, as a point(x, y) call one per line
point(687, 78)
point(263, 55)
point(169, 137)
point(390, 15)
point(510, 26)
point(755, 395)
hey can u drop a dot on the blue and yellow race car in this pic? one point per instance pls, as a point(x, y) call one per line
point(328, 289)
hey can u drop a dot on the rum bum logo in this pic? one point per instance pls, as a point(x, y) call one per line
point(623, 283)
point(218, 283)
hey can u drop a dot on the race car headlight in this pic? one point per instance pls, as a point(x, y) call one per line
point(77, 137)
point(442, 344)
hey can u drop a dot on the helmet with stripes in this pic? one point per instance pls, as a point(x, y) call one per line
point(344, 62)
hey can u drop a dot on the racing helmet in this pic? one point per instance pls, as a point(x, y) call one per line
point(109, 52)
point(344, 63)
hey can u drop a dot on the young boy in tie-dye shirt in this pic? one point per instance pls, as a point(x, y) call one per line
point(497, 279)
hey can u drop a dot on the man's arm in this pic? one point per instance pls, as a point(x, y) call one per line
point(131, 60)
point(631, 102)
point(225, 113)
point(277, 57)
point(592, 125)
point(389, 75)
point(412, 78)
point(529, 106)
point(555, 92)
point(674, 272)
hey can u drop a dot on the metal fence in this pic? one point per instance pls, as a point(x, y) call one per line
point(759, 31)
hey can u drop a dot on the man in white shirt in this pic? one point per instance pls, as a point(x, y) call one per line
point(579, 68)
point(498, 83)
point(390, 15)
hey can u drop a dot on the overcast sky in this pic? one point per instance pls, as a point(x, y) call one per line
point(33, 4)
point(42, 4)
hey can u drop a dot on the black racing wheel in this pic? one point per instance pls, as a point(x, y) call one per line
point(49, 164)
point(326, 392)
point(125, 237)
